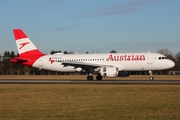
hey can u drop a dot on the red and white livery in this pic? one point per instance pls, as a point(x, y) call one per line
point(104, 65)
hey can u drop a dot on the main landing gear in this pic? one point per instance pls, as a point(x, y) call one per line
point(90, 77)
point(151, 78)
point(99, 77)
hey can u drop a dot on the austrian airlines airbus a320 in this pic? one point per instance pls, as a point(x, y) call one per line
point(104, 65)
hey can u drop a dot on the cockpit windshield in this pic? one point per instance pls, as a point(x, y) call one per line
point(163, 58)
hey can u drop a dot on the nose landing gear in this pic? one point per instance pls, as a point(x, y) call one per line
point(151, 78)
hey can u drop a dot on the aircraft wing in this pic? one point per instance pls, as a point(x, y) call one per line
point(83, 65)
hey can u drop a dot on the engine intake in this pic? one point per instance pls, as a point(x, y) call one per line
point(109, 71)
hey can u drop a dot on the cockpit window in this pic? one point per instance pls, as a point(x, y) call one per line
point(162, 58)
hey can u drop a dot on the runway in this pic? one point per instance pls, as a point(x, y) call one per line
point(89, 82)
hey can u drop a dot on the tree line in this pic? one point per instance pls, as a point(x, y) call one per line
point(9, 68)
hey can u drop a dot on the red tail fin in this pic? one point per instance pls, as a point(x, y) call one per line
point(24, 45)
point(28, 53)
point(19, 34)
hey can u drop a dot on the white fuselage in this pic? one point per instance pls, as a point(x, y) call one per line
point(123, 61)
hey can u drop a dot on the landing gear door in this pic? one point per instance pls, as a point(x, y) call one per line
point(150, 59)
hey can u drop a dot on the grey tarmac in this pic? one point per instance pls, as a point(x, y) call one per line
point(89, 82)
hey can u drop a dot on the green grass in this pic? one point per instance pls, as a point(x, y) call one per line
point(89, 102)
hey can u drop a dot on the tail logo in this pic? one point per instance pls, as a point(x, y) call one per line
point(23, 44)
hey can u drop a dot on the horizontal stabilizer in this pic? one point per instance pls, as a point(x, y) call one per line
point(19, 59)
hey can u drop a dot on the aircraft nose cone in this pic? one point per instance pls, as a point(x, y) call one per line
point(171, 64)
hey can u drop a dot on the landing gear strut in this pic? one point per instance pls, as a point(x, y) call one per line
point(151, 78)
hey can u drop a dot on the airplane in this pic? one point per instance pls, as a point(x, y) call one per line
point(104, 64)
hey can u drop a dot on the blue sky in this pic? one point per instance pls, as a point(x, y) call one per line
point(97, 26)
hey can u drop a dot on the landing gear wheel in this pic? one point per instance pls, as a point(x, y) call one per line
point(90, 77)
point(151, 78)
point(99, 77)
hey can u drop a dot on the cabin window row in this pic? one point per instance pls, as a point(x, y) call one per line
point(80, 60)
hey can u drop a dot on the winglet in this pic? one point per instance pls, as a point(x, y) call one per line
point(19, 34)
